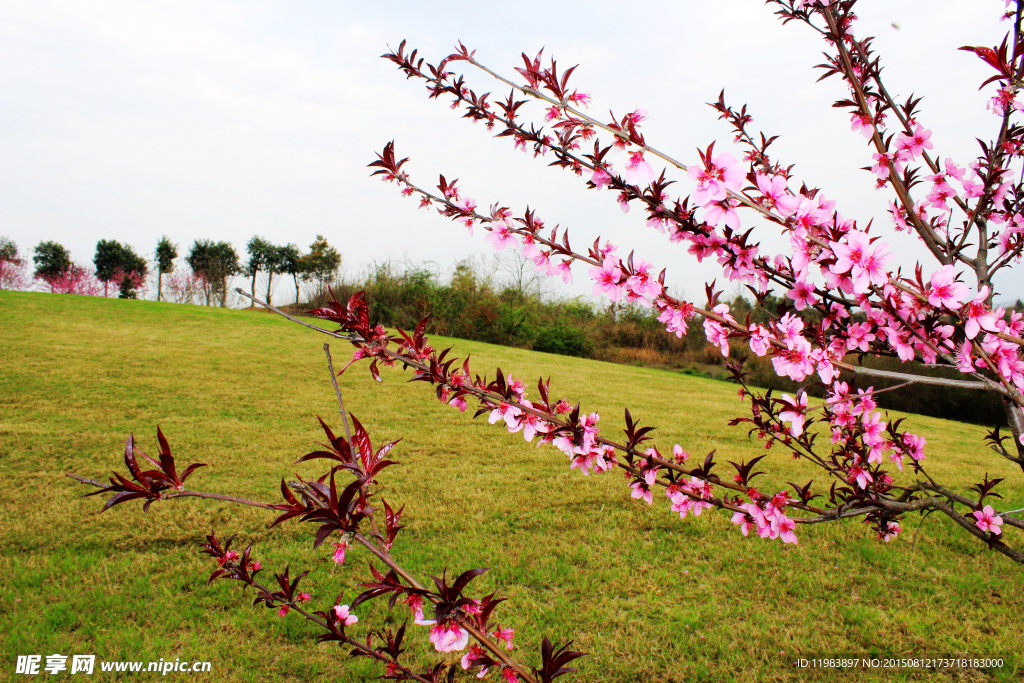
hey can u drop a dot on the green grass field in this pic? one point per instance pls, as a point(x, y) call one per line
point(652, 597)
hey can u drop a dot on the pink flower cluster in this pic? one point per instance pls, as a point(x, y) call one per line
point(769, 521)
point(632, 281)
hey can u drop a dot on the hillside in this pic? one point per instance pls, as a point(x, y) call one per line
point(652, 597)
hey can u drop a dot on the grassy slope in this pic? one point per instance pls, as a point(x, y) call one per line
point(652, 597)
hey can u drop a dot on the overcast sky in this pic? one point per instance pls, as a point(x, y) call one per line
point(224, 120)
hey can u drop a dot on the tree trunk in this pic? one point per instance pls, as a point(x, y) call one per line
point(270, 282)
point(159, 283)
point(1015, 416)
point(252, 288)
point(296, 278)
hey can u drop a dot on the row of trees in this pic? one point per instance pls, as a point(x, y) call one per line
point(211, 266)
point(320, 265)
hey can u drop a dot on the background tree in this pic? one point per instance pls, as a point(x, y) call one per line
point(273, 263)
point(214, 262)
point(12, 273)
point(321, 265)
point(291, 264)
point(9, 250)
point(258, 249)
point(52, 260)
point(130, 284)
point(166, 252)
point(119, 262)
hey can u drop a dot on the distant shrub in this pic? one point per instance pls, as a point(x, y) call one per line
point(563, 340)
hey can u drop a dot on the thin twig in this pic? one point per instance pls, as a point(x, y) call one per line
point(353, 453)
point(924, 516)
point(167, 495)
point(346, 337)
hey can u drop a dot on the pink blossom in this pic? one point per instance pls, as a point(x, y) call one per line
point(874, 428)
point(608, 278)
point(964, 358)
point(866, 264)
point(500, 236)
point(859, 475)
point(916, 143)
point(532, 425)
point(530, 249)
point(339, 552)
point(475, 652)
point(506, 635)
point(979, 316)
point(784, 527)
point(641, 282)
point(717, 335)
point(604, 459)
point(790, 328)
point(581, 98)
point(509, 675)
point(760, 342)
point(863, 124)
point(945, 292)
point(890, 532)
point(683, 504)
point(794, 412)
point(344, 616)
point(679, 454)
point(642, 488)
point(973, 188)
point(899, 217)
point(508, 413)
point(823, 364)
point(717, 179)
point(744, 520)
point(859, 335)
point(564, 269)
point(657, 223)
point(775, 194)
point(881, 167)
point(624, 202)
point(449, 637)
point(1006, 356)
point(1003, 100)
point(415, 603)
point(724, 210)
point(675, 320)
point(795, 361)
point(988, 520)
point(600, 178)
point(899, 339)
point(638, 171)
point(583, 460)
point(542, 262)
point(802, 295)
point(952, 170)
point(641, 491)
